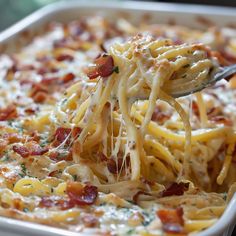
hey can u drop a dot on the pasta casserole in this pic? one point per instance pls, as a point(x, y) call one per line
point(94, 138)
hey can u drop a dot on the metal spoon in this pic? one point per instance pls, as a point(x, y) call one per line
point(193, 86)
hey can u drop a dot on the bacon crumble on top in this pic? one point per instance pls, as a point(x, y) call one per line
point(172, 220)
point(8, 113)
point(56, 201)
point(175, 189)
point(30, 149)
point(104, 67)
point(80, 195)
point(62, 134)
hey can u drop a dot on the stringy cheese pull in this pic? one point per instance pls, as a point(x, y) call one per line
point(138, 69)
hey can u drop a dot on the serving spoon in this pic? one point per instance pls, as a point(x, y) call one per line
point(193, 86)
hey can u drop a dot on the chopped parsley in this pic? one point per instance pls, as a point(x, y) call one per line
point(116, 70)
point(25, 209)
point(6, 157)
point(75, 177)
point(130, 231)
point(23, 170)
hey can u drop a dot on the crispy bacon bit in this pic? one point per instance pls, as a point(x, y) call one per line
point(38, 150)
point(104, 66)
point(175, 189)
point(54, 155)
point(34, 136)
point(53, 173)
point(65, 57)
point(30, 110)
point(30, 148)
point(172, 220)
point(17, 203)
point(81, 195)
point(45, 70)
point(21, 150)
point(76, 132)
point(67, 78)
point(40, 97)
point(52, 201)
point(50, 80)
point(39, 93)
point(8, 113)
point(222, 120)
point(113, 166)
point(62, 134)
point(89, 220)
point(195, 108)
point(136, 196)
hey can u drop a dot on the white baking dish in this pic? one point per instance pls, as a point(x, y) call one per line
point(15, 37)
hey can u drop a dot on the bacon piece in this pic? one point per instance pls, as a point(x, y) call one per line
point(53, 173)
point(17, 203)
point(55, 201)
point(113, 166)
point(39, 93)
point(65, 57)
point(172, 220)
point(195, 108)
point(30, 148)
point(37, 150)
point(50, 80)
point(59, 156)
point(67, 78)
point(62, 134)
point(82, 195)
point(221, 120)
point(8, 113)
point(34, 136)
point(89, 220)
point(45, 70)
point(175, 189)
point(21, 150)
point(104, 66)
point(30, 110)
point(76, 132)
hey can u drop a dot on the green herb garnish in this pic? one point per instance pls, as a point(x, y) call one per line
point(116, 69)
